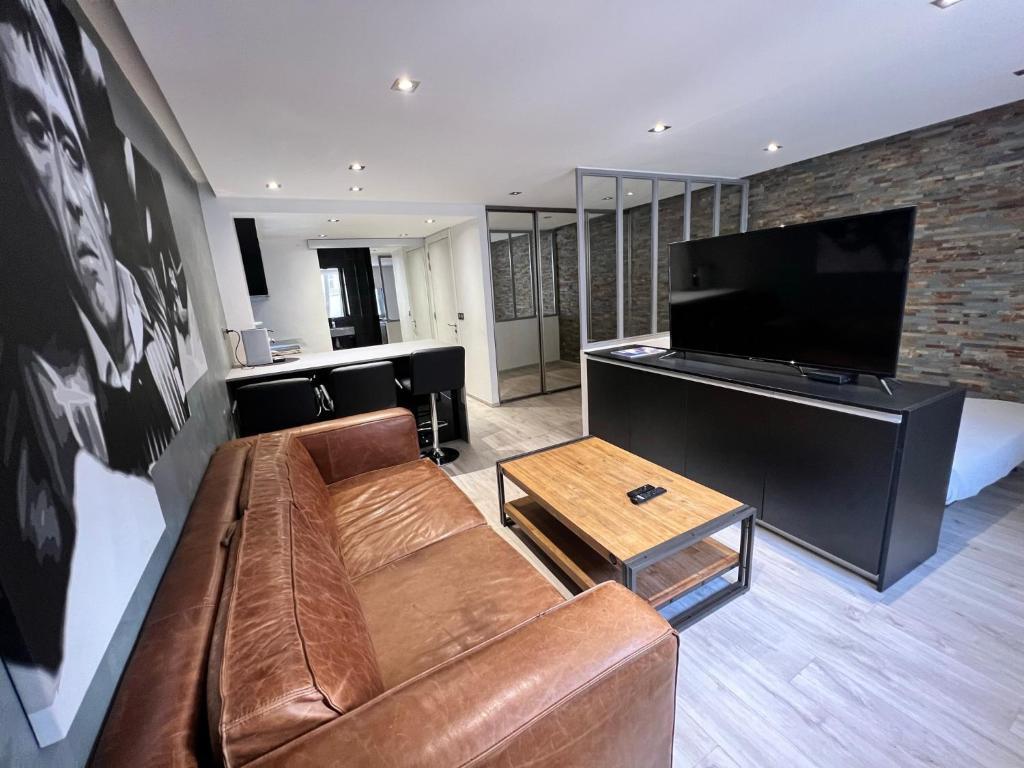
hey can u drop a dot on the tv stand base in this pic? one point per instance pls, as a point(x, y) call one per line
point(830, 377)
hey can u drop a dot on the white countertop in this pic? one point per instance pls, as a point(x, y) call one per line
point(315, 360)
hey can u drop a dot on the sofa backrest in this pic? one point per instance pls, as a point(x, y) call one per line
point(290, 648)
point(158, 716)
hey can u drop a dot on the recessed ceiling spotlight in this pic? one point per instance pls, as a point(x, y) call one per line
point(356, 167)
point(428, 221)
point(773, 147)
point(273, 185)
point(405, 84)
point(944, 3)
point(629, 194)
point(1019, 73)
point(321, 235)
point(659, 127)
point(334, 220)
point(609, 197)
point(355, 189)
point(515, 193)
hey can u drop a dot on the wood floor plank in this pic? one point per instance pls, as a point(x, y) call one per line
point(690, 744)
point(1017, 729)
point(880, 722)
point(933, 696)
point(718, 758)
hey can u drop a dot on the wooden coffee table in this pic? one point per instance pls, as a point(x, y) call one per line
point(577, 512)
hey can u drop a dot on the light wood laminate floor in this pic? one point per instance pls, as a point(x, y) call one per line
point(813, 667)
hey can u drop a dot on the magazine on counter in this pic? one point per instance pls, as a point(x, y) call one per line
point(633, 352)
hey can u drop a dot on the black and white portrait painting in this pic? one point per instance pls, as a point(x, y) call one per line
point(98, 349)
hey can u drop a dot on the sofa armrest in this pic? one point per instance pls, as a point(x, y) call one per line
point(343, 448)
point(589, 682)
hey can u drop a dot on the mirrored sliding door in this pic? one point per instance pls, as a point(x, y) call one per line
point(534, 257)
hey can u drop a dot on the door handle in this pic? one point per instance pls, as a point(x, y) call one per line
point(453, 325)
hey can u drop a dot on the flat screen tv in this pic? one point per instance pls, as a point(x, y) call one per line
point(827, 294)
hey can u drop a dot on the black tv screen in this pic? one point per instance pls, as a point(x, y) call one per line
point(827, 294)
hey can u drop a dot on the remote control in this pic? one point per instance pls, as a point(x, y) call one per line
point(641, 489)
point(644, 493)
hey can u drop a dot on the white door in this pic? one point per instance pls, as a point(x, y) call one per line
point(442, 290)
point(419, 293)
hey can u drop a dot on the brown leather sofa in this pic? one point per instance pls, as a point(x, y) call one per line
point(335, 600)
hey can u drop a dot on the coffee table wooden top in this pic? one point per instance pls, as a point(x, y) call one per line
point(584, 485)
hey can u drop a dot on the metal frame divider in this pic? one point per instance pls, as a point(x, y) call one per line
point(620, 271)
point(537, 276)
point(583, 241)
point(655, 205)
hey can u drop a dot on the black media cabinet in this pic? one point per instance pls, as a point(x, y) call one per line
point(852, 472)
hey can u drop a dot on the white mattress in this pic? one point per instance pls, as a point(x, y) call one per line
point(990, 445)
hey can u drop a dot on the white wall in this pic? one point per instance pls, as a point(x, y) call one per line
point(387, 272)
point(294, 306)
point(516, 341)
point(227, 260)
point(473, 287)
point(402, 289)
point(394, 331)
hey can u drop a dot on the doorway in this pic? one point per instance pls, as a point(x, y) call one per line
point(441, 277)
point(534, 277)
point(347, 279)
point(386, 290)
point(420, 310)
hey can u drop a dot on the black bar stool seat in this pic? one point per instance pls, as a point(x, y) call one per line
point(363, 388)
point(267, 406)
point(432, 372)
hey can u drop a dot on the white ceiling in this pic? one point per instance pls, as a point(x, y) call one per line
point(360, 226)
point(515, 95)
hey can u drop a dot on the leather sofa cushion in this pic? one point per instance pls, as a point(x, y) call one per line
point(392, 512)
point(291, 649)
point(447, 597)
point(353, 445)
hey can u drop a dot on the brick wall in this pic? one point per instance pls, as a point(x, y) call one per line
point(501, 281)
point(964, 318)
point(567, 268)
point(502, 278)
point(547, 280)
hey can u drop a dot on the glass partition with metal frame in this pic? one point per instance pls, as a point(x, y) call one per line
point(612, 285)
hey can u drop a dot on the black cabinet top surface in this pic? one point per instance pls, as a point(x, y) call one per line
point(866, 393)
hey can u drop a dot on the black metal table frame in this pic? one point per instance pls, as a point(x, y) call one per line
point(744, 514)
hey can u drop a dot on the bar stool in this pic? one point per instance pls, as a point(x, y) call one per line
point(362, 388)
point(267, 406)
point(432, 371)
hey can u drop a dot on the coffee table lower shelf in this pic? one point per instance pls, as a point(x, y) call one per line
point(659, 584)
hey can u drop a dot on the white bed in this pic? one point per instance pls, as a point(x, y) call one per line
point(990, 445)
